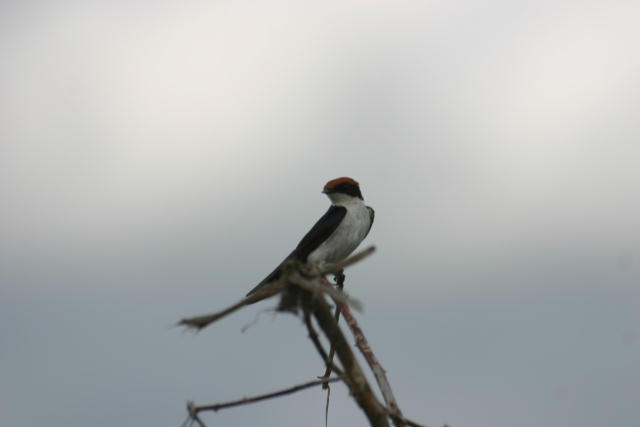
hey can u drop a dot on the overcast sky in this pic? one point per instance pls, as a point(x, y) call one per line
point(158, 159)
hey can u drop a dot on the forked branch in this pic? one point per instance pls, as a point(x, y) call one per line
point(304, 289)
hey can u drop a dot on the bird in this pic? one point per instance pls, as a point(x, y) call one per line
point(336, 234)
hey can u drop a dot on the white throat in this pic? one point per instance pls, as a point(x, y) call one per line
point(341, 199)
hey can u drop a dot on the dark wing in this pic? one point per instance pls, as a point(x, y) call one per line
point(318, 234)
point(372, 215)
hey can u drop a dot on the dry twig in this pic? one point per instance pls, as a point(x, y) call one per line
point(270, 289)
point(200, 322)
point(246, 400)
point(376, 367)
point(306, 288)
point(332, 351)
point(353, 374)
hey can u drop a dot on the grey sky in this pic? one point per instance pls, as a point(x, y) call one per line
point(158, 159)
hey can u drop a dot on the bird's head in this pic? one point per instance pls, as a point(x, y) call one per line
point(342, 190)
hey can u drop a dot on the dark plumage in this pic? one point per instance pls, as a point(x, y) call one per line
point(337, 233)
point(318, 233)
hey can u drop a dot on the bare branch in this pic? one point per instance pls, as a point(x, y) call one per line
point(339, 266)
point(200, 322)
point(376, 367)
point(313, 335)
point(246, 400)
point(354, 377)
point(332, 351)
point(193, 414)
point(316, 287)
point(303, 285)
point(271, 289)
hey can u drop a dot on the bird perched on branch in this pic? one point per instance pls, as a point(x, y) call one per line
point(336, 234)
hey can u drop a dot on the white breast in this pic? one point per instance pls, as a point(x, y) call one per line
point(346, 237)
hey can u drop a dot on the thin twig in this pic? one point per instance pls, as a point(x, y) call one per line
point(188, 422)
point(332, 350)
point(328, 360)
point(193, 413)
point(377, 369)
point(317, 287)
point(200, 322)
point(354, 376)
point(271, 289)
point(326, 406)
point(337, 267)
point(313, 335)
point(246, 400)
point(313, 288)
